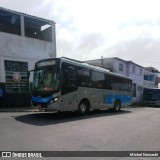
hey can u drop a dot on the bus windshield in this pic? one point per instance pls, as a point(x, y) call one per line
point(46, 79)
point(152, 95)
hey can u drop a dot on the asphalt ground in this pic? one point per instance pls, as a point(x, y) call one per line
point(132, 129)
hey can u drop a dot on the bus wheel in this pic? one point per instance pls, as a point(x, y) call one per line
point(83, 107)
point(117, 106)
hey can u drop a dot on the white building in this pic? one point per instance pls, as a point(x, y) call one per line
point(127, 68)
point(24, 40)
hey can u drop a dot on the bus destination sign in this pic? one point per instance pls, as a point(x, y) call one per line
point(46, 63)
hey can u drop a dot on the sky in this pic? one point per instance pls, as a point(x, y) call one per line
point(90, 29)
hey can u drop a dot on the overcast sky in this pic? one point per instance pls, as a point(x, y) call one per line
point(89, 29)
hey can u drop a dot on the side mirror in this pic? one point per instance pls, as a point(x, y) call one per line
point(28, 74)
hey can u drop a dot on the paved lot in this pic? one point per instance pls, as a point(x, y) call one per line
point(132, 129)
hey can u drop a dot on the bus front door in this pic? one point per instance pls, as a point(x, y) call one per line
point(69, 87)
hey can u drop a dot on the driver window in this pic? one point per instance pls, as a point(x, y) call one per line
point(48, 80)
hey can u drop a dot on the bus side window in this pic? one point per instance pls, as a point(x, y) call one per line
point(85, 78)
point(70, 81)
point(98, 79)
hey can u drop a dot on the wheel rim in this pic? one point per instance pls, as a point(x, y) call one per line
point(117, 106)
point(83, 108)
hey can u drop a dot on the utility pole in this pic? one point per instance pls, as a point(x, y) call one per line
point(102, 61)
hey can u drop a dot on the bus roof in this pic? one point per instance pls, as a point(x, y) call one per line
point(94, 67)
point(86, 65)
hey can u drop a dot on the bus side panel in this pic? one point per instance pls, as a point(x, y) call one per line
point(70, 101)
point(111, 96)
point(95, 98)
point(98, 98)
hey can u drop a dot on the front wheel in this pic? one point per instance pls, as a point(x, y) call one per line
point(83, 108)
point(117, 106)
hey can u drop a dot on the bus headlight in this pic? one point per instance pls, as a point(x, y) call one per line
point(55, 99)
point(51, 101)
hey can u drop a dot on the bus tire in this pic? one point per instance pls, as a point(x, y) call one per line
point(83, 107)
point(117, 106)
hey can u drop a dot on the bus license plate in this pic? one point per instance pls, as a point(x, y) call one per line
point(39, 106)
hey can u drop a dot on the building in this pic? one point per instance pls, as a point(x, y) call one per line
point(24, 39)
point(151, 77)
point(127, 68)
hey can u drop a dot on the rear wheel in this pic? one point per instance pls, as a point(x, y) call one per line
point(83, 107)
point(117, 106)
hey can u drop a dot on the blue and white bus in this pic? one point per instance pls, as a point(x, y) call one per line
point(63, 84)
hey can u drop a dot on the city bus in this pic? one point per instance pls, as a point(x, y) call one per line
point(151, 97)
point(64, 84)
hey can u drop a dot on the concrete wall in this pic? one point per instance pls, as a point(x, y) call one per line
point(117, 62)
point(19, 48)
point(107, 63)
point(138, 79)
point(137, 76)
point(96, 62)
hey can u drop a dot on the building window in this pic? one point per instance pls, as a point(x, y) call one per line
point(10, 22)
point(38, 29)
point(133, 69)
point(120, 67)
point(16, 77)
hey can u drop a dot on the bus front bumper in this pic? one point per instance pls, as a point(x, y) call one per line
point(47, 107)
point(153, 103)
point(54, 106)
point(42, 104)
